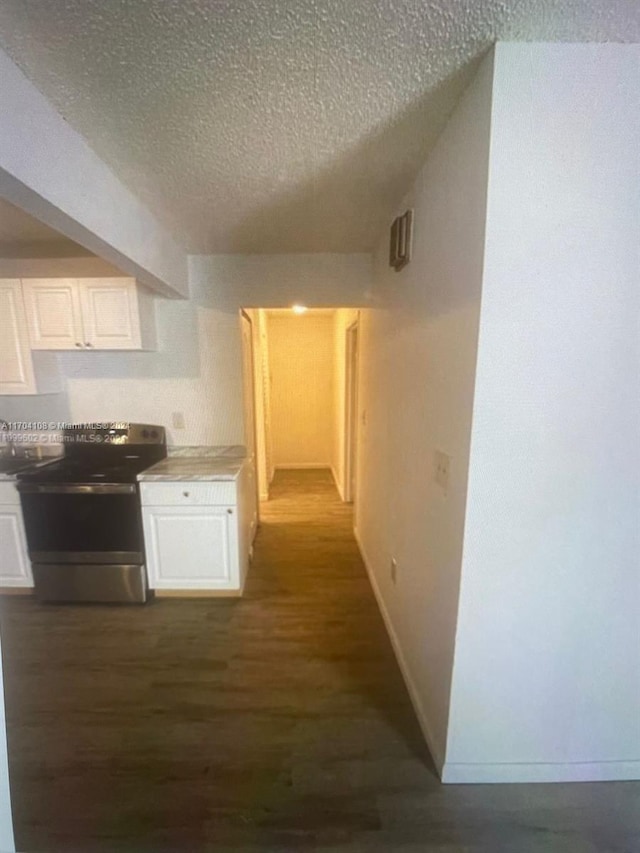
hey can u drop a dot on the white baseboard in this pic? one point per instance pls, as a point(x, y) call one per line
point(338, 483)
point(404, 669)
point(477, 774)
point(598, 771)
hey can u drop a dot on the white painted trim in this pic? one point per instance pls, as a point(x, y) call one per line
point(7, 843)
point(476, 774)
point(338, 483)
point(597, 771)
point(350, 420)
point(404, 668)
point(302, 466)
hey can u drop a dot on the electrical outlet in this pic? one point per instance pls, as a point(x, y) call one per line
point(394, 569)
point(177, 419)
point(442, 469)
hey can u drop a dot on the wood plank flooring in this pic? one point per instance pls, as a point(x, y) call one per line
point(277, 722)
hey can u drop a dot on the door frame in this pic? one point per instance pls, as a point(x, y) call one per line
point(351, 411)
point(252, 395)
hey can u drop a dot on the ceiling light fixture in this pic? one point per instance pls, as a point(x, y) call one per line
point(299, 309)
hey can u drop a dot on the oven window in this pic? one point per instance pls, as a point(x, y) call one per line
point(61, 522)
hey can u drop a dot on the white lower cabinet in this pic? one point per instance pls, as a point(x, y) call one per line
point(198, 534)
point(191, 547)
point(15, 568)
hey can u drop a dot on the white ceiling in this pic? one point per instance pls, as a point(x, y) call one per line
point(22, 236)
point(275, 125)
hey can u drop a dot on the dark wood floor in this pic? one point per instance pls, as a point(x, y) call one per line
point(277, 722)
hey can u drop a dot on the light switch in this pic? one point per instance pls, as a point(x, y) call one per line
point(177, 419)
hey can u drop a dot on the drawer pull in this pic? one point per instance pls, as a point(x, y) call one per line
point(230, 511)
point(186, 494)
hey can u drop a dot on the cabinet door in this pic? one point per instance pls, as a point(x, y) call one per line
point(53, 312)
point(15, 570)
point(189, 547)
point(16, 366)
point(110, 313)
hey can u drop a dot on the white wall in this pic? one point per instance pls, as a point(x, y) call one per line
point(6, 822)
point(301, 360)
point(547, 666)
point(197, 371)
point(278, 281)
point(47, 169)
point(417, 353)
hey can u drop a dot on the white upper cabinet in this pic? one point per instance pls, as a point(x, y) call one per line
point(110, 314)
point(89, 313)
point(20, 371)
point(53, 309)
point(16, 369)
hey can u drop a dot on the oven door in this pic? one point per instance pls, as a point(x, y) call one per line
point(82, 524)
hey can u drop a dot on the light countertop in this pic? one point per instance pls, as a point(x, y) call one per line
point(197, 463)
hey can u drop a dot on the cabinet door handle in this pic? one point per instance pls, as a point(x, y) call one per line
point(78, 344)
point(186, 494)
point(88, 344)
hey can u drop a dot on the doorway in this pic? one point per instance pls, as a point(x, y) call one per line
point(304, 367)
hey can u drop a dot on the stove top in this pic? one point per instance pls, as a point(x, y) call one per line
point(73, 471)
point(103, 455)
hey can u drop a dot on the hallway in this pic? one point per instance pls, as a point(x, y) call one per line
point(267, 721)
point(276, 722)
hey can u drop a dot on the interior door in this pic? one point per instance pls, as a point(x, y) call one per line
point(53, 313)
point(110, 313)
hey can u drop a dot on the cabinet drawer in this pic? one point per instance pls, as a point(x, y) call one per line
point(9, 493)
point(188, 493)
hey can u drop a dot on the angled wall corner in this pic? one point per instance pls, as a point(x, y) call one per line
point(48, 170)
point(417, 367)
point(546, 682)
point(6, 821)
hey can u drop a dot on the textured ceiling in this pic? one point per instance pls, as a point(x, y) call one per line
point(22, 236)
point(275, 125)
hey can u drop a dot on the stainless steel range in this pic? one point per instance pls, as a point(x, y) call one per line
point(82, 514)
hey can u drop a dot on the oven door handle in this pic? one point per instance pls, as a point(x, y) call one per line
point(72, 489)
